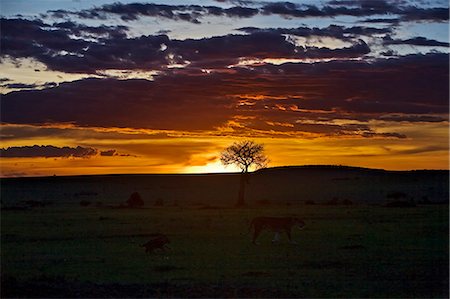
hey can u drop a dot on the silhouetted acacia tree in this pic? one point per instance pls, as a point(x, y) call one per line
point(245, 155)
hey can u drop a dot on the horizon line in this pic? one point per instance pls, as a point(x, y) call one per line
point(224, 173)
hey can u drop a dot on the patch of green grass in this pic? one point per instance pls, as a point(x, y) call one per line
point(357, 251)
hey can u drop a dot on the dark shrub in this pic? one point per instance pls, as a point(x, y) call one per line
point(38, 203)
point(347, 202)
point(425, 201)
point(85, 193)
point(84, 203)
point(209, 207)
point(358, 246)
point(310, 202)
point(159, 202)
point(332, 202)
point(400, 204)
point(396, 195)
point(166, 268)
point(15, 208)
point(135, 200)
point(263, 202)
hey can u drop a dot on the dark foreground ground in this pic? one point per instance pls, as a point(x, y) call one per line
point(369, 233)
point(344, 251)
point(273, 185)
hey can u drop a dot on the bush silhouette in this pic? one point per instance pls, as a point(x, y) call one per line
point(159, 202)
point(396, 195)
point(347, 202)
point(400, 204)
point(332, 202)
point(135, 200)
point(85, 203)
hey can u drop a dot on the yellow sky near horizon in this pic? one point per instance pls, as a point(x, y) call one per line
point(156, 153)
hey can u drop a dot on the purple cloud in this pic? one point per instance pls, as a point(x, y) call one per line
point(47, 151)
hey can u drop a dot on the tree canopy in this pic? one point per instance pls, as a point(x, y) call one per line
point(244, 154)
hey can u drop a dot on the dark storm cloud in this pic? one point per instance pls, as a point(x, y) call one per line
point(25, 38)
point(357, 50)
point(416, 41)
point(38, 30)
point(108, 153)
point(99, 31)
point(240, 12)
point(386, 135)
point(168, 103)
point(29, 86)
point(393, 21)
point(413, 118)
point(258, 45)
point(410, 84)
point(240, 2)
point(53, 46)
point(334, 31)
point(18, 132)
point(134, 11)
point(437, 14)
point(20, 85)
point(389, 53)
point(414, 87)
point(192, 13)
point(47, 151)
point(379, 5)
point(137, 53)
point(357, 9)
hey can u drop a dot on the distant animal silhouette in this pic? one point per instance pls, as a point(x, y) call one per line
point(159, 241)
point(275, 224)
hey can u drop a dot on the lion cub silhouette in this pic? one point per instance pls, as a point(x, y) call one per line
point(159, 241)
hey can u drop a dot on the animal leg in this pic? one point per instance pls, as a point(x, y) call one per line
point(255, 235)
point(288, 232)
point(276, 237)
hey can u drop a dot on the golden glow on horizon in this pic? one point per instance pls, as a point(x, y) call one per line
point(148, 151)
point(281, 153)
point(212, 167)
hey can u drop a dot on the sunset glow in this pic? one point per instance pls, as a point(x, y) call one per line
point(108, 87)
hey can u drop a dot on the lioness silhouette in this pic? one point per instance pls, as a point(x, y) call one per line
point(275, 224)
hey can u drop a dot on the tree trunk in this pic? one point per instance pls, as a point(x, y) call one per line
point(241, 195)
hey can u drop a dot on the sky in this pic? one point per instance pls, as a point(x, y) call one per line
point(102, 87)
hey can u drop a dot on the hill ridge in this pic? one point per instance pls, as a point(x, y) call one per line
point(316, 167)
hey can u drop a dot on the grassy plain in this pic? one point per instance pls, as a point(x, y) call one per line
point(64, 250)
